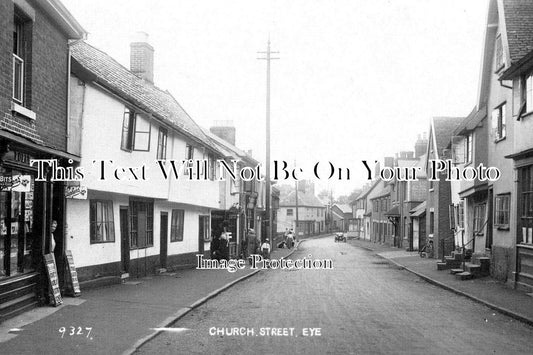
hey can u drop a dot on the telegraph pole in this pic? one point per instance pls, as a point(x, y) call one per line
point(296, 230)
point(268, 57)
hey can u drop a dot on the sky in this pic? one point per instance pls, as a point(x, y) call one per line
point(356, 79)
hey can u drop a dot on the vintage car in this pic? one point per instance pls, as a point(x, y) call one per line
point(340, 237)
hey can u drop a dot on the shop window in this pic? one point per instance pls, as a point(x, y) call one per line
point(142, 224)
point(176, 225)
point(203, 228)
point(526, 203)
point(162, 143)
point(501, 211)
point(102, 223)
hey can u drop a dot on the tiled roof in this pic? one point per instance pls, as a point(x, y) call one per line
point(344, 208)
point(115, 77)
point(304, 199)
point(519, 24)
point(443, 128)
point(228, 149)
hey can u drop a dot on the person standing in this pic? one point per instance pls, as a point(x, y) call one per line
point(53, 228)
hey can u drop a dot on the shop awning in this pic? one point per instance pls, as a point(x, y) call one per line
point(419, 210)
point(393, 212)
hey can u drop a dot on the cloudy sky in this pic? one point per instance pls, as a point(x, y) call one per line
point(356, 80)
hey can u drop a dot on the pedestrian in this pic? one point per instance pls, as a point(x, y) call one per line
point(215, 242)
point(265, 249)
point(223, 245)
point(253, 243)
point(289, 240)
point(53, 228)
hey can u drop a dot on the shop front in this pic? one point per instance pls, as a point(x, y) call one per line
point(27, 208)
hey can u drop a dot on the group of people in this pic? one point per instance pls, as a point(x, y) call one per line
point(251, 244)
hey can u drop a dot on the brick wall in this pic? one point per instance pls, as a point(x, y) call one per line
point(6, 53)
point(49, 82)
point(46, 66)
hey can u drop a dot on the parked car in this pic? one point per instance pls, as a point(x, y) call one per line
point(340, 237)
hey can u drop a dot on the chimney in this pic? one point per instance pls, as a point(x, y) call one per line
point(142, 57)
point(224, 130)
point(421, 145)
point(388, 162)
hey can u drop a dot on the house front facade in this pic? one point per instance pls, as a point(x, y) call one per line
point(34, 106)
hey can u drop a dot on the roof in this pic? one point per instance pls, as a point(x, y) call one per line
point(394, 212)
point(471, 121)
point(228, 149)
point(518, 16)
point(304, 199)
point(343, 208)
point(442, 129)
point(367, 189)
point(116, 78)
point(56, 10)
point(419, 210)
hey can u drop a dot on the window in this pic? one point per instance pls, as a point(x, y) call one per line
point(142, 224)
point(135, 132)
point(500, 61)
point(189, 156)
point(18, 60)
point(289, 212)
point(211, 167)
point(162, 144)
point(468, 147)
point(527, 93)
point(128, 123)
point(498, 122)
point(501, 211)
point(203, 228)
point(479, 218)
point(376, 205)
point(176, 226)
point(461, 215)
point(102, 226)
point(525, 205)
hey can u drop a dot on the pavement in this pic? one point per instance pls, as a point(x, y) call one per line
point(486, 290)
point(117, 319)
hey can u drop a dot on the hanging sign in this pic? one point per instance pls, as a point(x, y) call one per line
point(53, 281)
point(72, 279)
point(76, 192)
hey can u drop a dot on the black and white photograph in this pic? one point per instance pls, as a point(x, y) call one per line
point(266, 177)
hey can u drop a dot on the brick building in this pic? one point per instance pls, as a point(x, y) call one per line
point(34, 65)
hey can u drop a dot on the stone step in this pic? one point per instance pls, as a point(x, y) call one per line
point(455, 271)
point(442, 266)
point(463, 276)
point(474, 269)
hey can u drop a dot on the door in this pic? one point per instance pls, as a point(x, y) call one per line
point(202, 232)
point(164, 240)
point(125, 239)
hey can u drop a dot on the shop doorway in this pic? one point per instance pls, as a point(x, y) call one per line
point(125, 239)
point(164, 240)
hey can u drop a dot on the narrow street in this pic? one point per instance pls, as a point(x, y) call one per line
point(362, 306)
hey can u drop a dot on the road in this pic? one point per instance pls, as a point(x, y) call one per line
point(362, 306)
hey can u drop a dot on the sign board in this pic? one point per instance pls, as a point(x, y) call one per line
point(18, 183)
point(53, 281)
point(76, 192)
point(72, 279)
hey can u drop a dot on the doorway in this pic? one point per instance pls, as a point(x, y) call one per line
point(125, 240)
point(164, 240)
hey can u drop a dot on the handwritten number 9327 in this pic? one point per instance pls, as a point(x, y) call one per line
point(72, 331)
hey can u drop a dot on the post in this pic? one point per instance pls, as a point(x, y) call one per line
point(296, 232)
point(268, 210)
